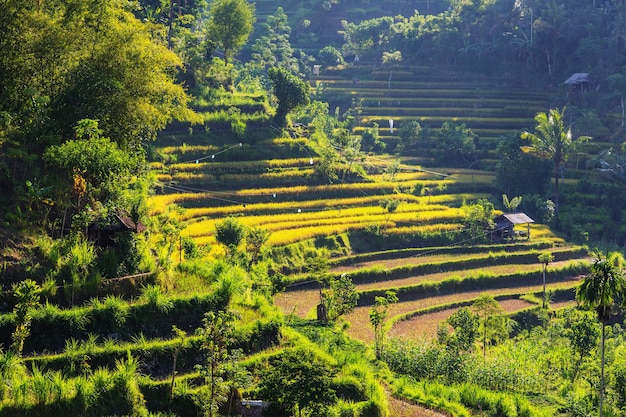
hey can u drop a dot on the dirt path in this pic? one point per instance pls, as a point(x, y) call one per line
point(402, 408)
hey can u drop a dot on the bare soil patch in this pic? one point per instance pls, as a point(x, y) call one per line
point(425, 326)
point(361, 329)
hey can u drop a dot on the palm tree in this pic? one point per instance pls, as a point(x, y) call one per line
point(545, 258)
point(599, 289)
point(552, 141)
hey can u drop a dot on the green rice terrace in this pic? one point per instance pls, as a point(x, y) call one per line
point(397, 231)
point(416, 250)
point(312, 208)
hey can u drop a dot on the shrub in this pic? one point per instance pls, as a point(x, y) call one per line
point(330, 56)
point(349, 388)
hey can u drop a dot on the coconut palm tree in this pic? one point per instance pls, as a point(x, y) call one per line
point(552, 141)
point(599, 290)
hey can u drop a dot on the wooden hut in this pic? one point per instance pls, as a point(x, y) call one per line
point(578, 81)
point(104, 232)
point(504, 229)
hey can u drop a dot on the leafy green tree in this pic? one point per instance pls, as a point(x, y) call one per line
point(378, 315)
point(553, 141)
point(583, 336)
point(456, 144)
point(478, 218)
point(519, 172)
point(369, 38)
point(230, 233)
point(27, 298)
point(370, 139)
point(273, 47)
point(328, 161)
point(230, 24)
point(350, 151)
point(132, 95)
point(94, 168)
point(341, 298)
point(545, 258)
point(290, 91)
point(217, 335)
point(600, 289)
point(298, 379)
point(63, 62)
point(391, 58)
point(256, 239)
point(410, 132)
point(466, 326)
point(330, 56)
point(493, 322)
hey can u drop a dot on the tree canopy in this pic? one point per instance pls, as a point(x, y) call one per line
point(290, 91)
point(230, 24)
point(66, 61)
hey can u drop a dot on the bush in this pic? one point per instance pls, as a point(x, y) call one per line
point(349, 388)
point(330, 56)
point(371, 409)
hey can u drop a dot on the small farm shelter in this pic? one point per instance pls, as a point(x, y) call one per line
point(103, 232)
point(578, 81)
point(251, 408)
point(505, 227)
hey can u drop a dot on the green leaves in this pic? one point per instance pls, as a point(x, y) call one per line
point(290, 91)
point(230, 24)
point(604, 284)
point(93, 166)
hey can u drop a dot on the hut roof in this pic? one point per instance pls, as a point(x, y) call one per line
point(515, 218)
point(577, 78)
point(118, 221)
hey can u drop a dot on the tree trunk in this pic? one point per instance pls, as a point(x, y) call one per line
point(556, 189)
point(173, 375)
point(170, 24)
point(545, 301)
point(602, 370)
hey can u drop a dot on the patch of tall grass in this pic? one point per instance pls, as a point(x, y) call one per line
point(102, 392)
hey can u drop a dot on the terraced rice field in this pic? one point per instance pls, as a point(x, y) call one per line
point(490, 106)
point(271, 183)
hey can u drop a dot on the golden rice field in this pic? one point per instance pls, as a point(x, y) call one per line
point(430, 202)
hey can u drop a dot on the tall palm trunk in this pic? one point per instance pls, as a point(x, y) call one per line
point(545, 296)
point(602, 369)
point(556, 189)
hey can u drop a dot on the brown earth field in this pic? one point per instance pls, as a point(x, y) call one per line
point(302, 304)
point(424, 326)
point(402, 261)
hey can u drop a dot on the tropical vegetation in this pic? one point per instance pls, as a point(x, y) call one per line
point(312, 208)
